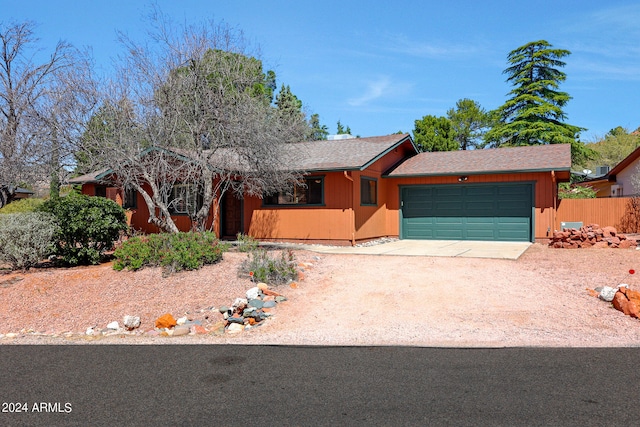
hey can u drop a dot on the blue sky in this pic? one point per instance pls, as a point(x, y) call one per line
point(376, 66)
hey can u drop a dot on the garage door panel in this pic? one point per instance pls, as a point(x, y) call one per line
point(468, 212)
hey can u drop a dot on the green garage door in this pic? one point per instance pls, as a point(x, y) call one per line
point(499, 212)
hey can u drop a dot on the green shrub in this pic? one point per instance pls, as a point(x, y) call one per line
point(88, 227)
point(26, 238)
point(174, 252)
point(271, 270)
point(246, 243)
point(22, 206)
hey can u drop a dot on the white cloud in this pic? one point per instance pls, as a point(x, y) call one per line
point(382, 87)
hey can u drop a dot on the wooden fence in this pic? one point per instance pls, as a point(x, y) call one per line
point(620, 212)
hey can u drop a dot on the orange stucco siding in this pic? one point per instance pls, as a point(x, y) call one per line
point(332, 221)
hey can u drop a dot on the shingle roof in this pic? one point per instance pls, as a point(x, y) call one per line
point(343, 154)
point(89, 177)
point(497, 160)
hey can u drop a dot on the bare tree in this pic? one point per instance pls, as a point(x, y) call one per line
point(38, 103)
point(188, 119)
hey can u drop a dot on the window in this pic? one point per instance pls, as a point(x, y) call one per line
point(130, 199)
point(101, 191)
point(311, 192)
point(184, 199)
point(368, 191)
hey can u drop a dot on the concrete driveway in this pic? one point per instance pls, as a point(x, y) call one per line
point(442, 248)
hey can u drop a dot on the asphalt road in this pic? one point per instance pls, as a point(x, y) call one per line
point(100, 385)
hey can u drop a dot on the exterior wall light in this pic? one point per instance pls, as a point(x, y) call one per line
point(463, 178)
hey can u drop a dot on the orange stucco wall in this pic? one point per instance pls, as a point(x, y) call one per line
point(342, 219)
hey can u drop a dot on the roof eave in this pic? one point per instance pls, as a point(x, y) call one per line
point(494, 172)
point(387, 151)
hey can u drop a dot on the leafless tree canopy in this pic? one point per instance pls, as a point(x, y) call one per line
point(190, 108)
point(43, 104)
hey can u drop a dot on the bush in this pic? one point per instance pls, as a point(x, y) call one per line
point(174, 252)
point(22, 206)
point(26, 238)
point(246, 243)
point(275, 271)
point(88, 227)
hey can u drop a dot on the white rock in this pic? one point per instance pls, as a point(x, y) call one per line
point(11, 335)
point(607, 293)
point(113, 325)
point(90, 331)
point(234, 328)
point(622, 285)
point(253, 293)
point(239, 302)
point(131, 322)
point(181, 321)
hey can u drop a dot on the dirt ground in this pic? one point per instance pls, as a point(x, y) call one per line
point(541, 299)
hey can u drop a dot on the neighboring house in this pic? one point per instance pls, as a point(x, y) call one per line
point(618, 182)
point(365, 188)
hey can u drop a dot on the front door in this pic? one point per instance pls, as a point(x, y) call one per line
point(231, 215)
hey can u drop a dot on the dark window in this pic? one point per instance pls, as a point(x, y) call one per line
point(130, 199)
point(184, 199)
point(311, 192)
point(101, 190)
point(368, 191)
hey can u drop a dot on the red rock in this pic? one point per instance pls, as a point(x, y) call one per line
point(620, 301)
point(609, 231)
point(612, 240)
point(198, 329)
point(625, 244)
point(166, 321)
point(557, 244)
point(587, 244)
point(601, 244)
point(269, 292)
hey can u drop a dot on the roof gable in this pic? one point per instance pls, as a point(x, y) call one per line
point(625, 163)
point(537, 158)
point(344, 154)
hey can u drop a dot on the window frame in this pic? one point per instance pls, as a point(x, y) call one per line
point(129, 198)
point(365, 182)
point(191, 189)
point(268, 201)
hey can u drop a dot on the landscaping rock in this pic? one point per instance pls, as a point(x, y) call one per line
point(182, 321)
point(131, 322)
point(165, 321)
point(255, 303)
point(113, 325)
point(591, 235)
point(254, 293)
point(607, 293)
point(181, 330)
point(234, 328)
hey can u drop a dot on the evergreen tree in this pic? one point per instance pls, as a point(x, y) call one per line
point(434, 134)
point(534, 113)
point(317, 131)
point(469, 122)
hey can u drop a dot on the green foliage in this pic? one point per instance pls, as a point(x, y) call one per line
point(534, 113)
point(173, 251)
point(469, 121)
point(26, 238)
point(271, 270)
point(246, 243)
point(572, 191)
point(317, 131)
point(617, 144)
point(88, 226)
point(341, 130)
point(22, 206)
point(434, 134)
